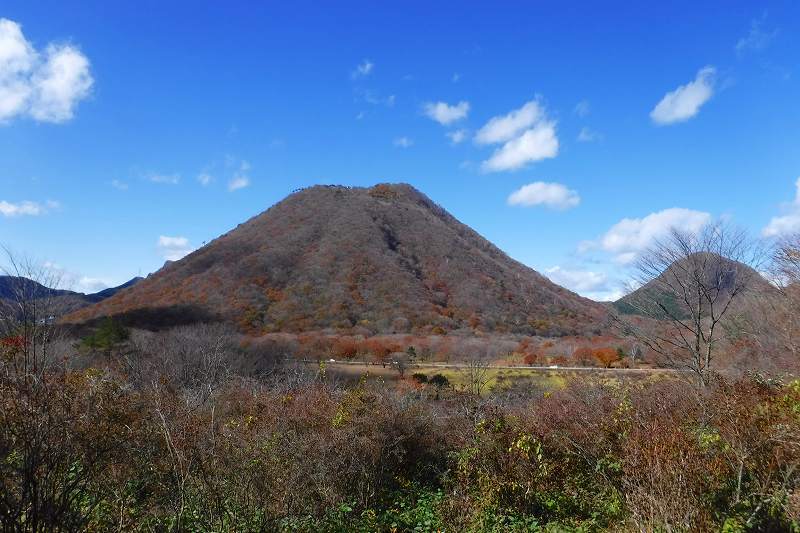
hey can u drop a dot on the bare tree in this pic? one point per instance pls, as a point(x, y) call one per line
point(688, 285)
point(777, 322)
point(476, 374)
point(29, 306)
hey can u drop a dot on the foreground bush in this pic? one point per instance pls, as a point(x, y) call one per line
point(87, 450)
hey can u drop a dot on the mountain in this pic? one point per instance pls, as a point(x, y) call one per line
point(378, 259)
point(111, 291)
point(699, 273)
point(62, 301)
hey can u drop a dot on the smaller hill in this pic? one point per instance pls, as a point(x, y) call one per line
point(702, 276)
point(62, 301)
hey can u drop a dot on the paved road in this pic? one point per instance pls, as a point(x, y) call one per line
point(499, 367)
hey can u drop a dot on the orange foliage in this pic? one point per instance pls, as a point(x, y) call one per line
point(606, 355)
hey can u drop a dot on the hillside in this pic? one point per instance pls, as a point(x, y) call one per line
point(717, 274)
point(383, 259)
point(61, 301)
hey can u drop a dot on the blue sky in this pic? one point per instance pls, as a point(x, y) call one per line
point(569, 134)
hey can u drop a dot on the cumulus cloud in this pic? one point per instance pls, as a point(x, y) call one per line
point(363, 69)
point(403, 142)
point(457, 136)
point(788, 223)
point(26, 208)
point(685, 102)
point(444, 113)
point(540, 193)
point(505, 127)
point(577, 280)
point(528, 136)
point(630, 236)
point(173, 248)
point(44, 85)
point(89, 285)
point(535, 144)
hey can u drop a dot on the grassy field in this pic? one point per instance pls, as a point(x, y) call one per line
point(497, 379)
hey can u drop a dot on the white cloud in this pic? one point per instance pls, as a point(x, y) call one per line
point(503, 128)
point(46, 86)
point(587, 135)
point(630, 236)
point(204, 178)
point(788, 223)
point(528, 136)
point(534, 144)
point(363, 69)
point(457, 136)
point(684, 102)
point(26, 208)
point(783, 225)
point(577, 280)
point(373, 98)
point(120, 185)
point(582, 108)
point(68, 280)
point(757, 38)
point(552, 195)
point(241, 176)
point(456, 77)
point(89, 285)
point(403, 142)
point(445, 114)
point(238, 182)
point(165, 179)
point(173, 248)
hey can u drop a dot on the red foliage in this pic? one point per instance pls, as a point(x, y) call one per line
point(346, 347)
point(16, 342)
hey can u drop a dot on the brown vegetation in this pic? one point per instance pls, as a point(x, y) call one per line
point(384, 259)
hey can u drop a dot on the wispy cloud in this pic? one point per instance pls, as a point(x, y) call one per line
point(44, 85)
point(758, 38)
point(241, 178)
point(363, 69)
point(119, 185)
point(457, 136)
point(540, 193)
point(588, 135)
point(205, 179)
point(444, 113)
point(26, 208)
point(582, 108)
point(685, 102)
point(403, 142)
point(165, 179)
